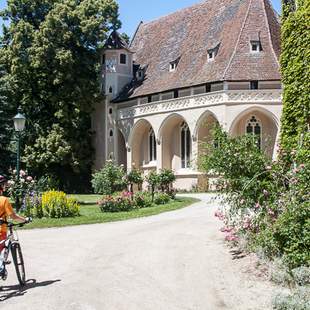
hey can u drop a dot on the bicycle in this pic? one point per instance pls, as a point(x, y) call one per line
point(12, 245)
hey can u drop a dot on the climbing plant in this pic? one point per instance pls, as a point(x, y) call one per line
point(295, 64)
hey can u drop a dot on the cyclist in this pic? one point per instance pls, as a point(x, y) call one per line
point(6, 211)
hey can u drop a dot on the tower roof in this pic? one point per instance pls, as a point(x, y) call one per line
point(188, 35)
point(115, 41)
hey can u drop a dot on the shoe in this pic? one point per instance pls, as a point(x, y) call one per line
point(3, 274)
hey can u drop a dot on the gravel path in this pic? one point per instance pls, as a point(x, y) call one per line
point(173, 261)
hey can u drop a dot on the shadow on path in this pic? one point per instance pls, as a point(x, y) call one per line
point(7, 292)
point(236, 254)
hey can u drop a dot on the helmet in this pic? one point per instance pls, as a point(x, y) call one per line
point(3, 180)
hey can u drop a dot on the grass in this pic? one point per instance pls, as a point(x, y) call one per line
point(91, 213)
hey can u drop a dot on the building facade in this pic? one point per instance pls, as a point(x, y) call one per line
point(216, 62)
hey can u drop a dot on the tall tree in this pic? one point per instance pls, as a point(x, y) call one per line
point(6, 124)
point(52, 56)
point(296, 75)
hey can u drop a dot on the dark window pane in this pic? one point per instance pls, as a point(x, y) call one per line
point(123, 59)
point(183, 147)
point(188, 146)
point(249, 129)
point(154, 148)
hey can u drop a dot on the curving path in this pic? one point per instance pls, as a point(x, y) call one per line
point(172, 261)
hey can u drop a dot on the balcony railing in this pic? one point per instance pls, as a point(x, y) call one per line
point(197, 101)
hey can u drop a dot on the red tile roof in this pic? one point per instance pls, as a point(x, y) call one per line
point(191, 32)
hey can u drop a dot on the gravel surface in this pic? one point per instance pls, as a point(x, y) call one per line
point(172, 261)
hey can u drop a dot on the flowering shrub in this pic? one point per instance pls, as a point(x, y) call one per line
point(32, 205)
point(269, 202)
point(116, 204)
point(18, 189)
point(58, 204)
point(125, 202)
point(142, 200)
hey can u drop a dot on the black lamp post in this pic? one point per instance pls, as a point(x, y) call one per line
point(19, 124)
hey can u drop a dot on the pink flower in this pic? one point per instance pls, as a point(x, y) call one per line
point(265, 192)
point(22, 173)
point(268, 168)
point(270, 212)
point(302, 166)
point(242, 201)
point(257, 206)
point(29, 179)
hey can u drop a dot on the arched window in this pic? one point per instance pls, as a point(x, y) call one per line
point(152, 145)
point(254, 127)
point(185, 146)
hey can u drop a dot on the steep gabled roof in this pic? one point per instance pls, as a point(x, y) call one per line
point(115, 41)
point(188, 34)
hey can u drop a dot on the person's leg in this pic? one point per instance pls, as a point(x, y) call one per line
point(2, 245)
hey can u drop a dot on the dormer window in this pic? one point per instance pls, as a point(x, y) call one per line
point(256, 47)
point(211, 55)
point(140, 75)
point(212, 52)
point(123, 59)
point(173, 64)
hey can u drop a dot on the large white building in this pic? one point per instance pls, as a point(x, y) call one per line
point(214, 62)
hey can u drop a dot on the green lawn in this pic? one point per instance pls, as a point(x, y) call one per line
point(91, 214)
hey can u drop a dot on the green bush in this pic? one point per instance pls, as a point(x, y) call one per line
point(142, 200)
point(153, 181)
point(269, 201)
point(166, 178)
point(298, 300)
point(116, 204)
point(57, 205)
point(161, 199)
point(134, 177)
point(110, 179)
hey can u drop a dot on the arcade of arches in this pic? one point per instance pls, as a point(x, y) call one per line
point(177, 143)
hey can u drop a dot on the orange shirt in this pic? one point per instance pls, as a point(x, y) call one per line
point(6, 211)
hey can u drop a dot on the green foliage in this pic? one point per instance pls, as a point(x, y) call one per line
point(110, 179)
point(6, 127)
point(295, 74)
point(161, 199)
point(242, 169)
point(298, 300)
point(135, 177)
point(142, 200)
point(58, 204)
point(152, 180)
point(116, 204)
point(50, 56)
point(269, 202)
point(166, 178)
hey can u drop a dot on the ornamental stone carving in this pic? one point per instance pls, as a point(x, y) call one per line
point(209, 99)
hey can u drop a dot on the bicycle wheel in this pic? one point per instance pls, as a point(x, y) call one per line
point(18, 263)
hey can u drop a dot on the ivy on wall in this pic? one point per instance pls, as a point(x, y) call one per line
point(295, 63)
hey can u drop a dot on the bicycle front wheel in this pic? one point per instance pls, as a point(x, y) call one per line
point(18, 263)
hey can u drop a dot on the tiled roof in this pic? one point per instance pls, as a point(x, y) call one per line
point(188, 34)
point(115, 41)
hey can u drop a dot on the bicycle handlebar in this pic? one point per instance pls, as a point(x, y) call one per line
point(2, 222)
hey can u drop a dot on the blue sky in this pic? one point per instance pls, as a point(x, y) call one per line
point(133, 11)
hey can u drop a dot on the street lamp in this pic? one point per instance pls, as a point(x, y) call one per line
point(19, 124)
